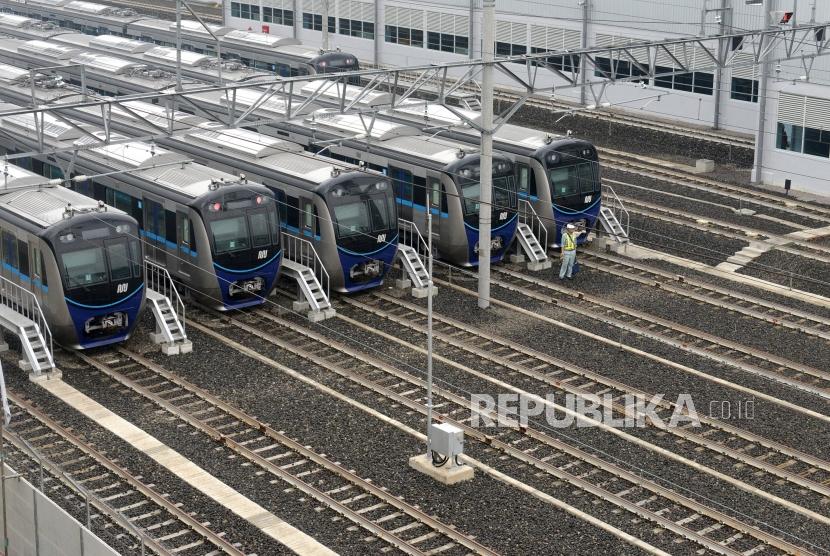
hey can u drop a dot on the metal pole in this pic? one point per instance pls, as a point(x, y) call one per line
point(3, 487)
point(178, 45)
point(472, 31)
point(763, 80)
point(380, 32)
point(325, 24)
point(485, 210)
point(724, 4)
point(583, 66)
point(429, 327)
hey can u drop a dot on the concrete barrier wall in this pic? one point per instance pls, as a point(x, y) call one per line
point(39, 527)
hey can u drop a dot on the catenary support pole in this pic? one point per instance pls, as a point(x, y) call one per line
point(583, 65)
point(486, 210)
point(325, 27)
point(429, 325)
point(763, 82)
point(724, 14)
point(178, 45)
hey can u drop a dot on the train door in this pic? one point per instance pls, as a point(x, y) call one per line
point(437, 197)
point(185, 240)
point(155, 229)
point(308, 220)
point(38, 273)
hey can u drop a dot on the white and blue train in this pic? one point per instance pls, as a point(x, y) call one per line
point(217, 234)
point(80, 259)
point(559, 176)
point(425, 171)
point(283, 56)
point(347, 213)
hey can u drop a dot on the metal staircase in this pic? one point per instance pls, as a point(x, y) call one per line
point(20, 313)
point(412, 252)
point(613, 215)
point(301, 262)
point(168, 310)
point(532, 238)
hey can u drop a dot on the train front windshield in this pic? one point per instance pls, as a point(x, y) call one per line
point(504, 191)
point(362, 212)
point(243, 226)
point(572, 179)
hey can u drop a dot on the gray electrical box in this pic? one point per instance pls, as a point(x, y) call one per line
point(447, 440)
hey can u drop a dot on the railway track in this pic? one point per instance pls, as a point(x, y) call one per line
point(384, 516)
point(749, 360)
point(460, 341)
point(698, 290)
point(589, 473)
point(163, 525)
point(722, 228)
point(743, 194)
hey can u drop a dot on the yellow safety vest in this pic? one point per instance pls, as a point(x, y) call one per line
point(569, 242)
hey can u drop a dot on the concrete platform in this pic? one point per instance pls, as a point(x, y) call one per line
point(198, 478)
point(448, 475)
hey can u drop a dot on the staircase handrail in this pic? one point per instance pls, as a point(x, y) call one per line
point(612, 201)
point(302, 251)
point(529, 216)
point(411, 236)
point(24, 302)
point(159, 280)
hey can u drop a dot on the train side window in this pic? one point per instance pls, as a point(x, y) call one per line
point(23, 257)
point(293, 216)
point(170, 226)
point(308, 216)
point(524, 178)
point(419, 191)
point(402, 181)
point(9, 250)
point(154, 219)
point(282, 206)
point(185, 231)
point(38, 266)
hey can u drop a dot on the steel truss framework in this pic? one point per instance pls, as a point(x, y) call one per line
point(441, 83)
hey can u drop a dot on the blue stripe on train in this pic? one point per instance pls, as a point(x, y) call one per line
point(564, 215)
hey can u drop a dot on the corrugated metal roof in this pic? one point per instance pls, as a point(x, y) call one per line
point(107, 64)
point(193, 26)
point(333, 90)
point(52, 127)
point(46, 48)
point(304, 166)
point(17, 21)
point(138, 154)
point(243, 142)
point(190, 59)
point(120, 43)
point(355, 125)
point(437, 149)
point(12, 74)
point(259, 39)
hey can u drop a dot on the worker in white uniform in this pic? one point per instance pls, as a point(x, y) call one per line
point(569, 236)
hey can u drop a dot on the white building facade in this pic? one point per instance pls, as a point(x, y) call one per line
point(408, 33)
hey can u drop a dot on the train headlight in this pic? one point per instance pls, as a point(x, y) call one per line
point(215, 207)
point(66, 238)
point(381, 186)
point(122, 229)
point(466, 173)
point(259, 199)
point(553, 158)
point(338, 192)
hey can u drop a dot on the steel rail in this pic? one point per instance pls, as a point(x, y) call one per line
point(296, 482)
point(148, 492)
point(479, 346)
point(758, 308)
point(411, 399)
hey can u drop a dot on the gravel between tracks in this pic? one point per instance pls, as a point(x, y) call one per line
point(683, 241)
point(238, 530)
point(500, 516)
point(669, 472)
point(802, 273)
